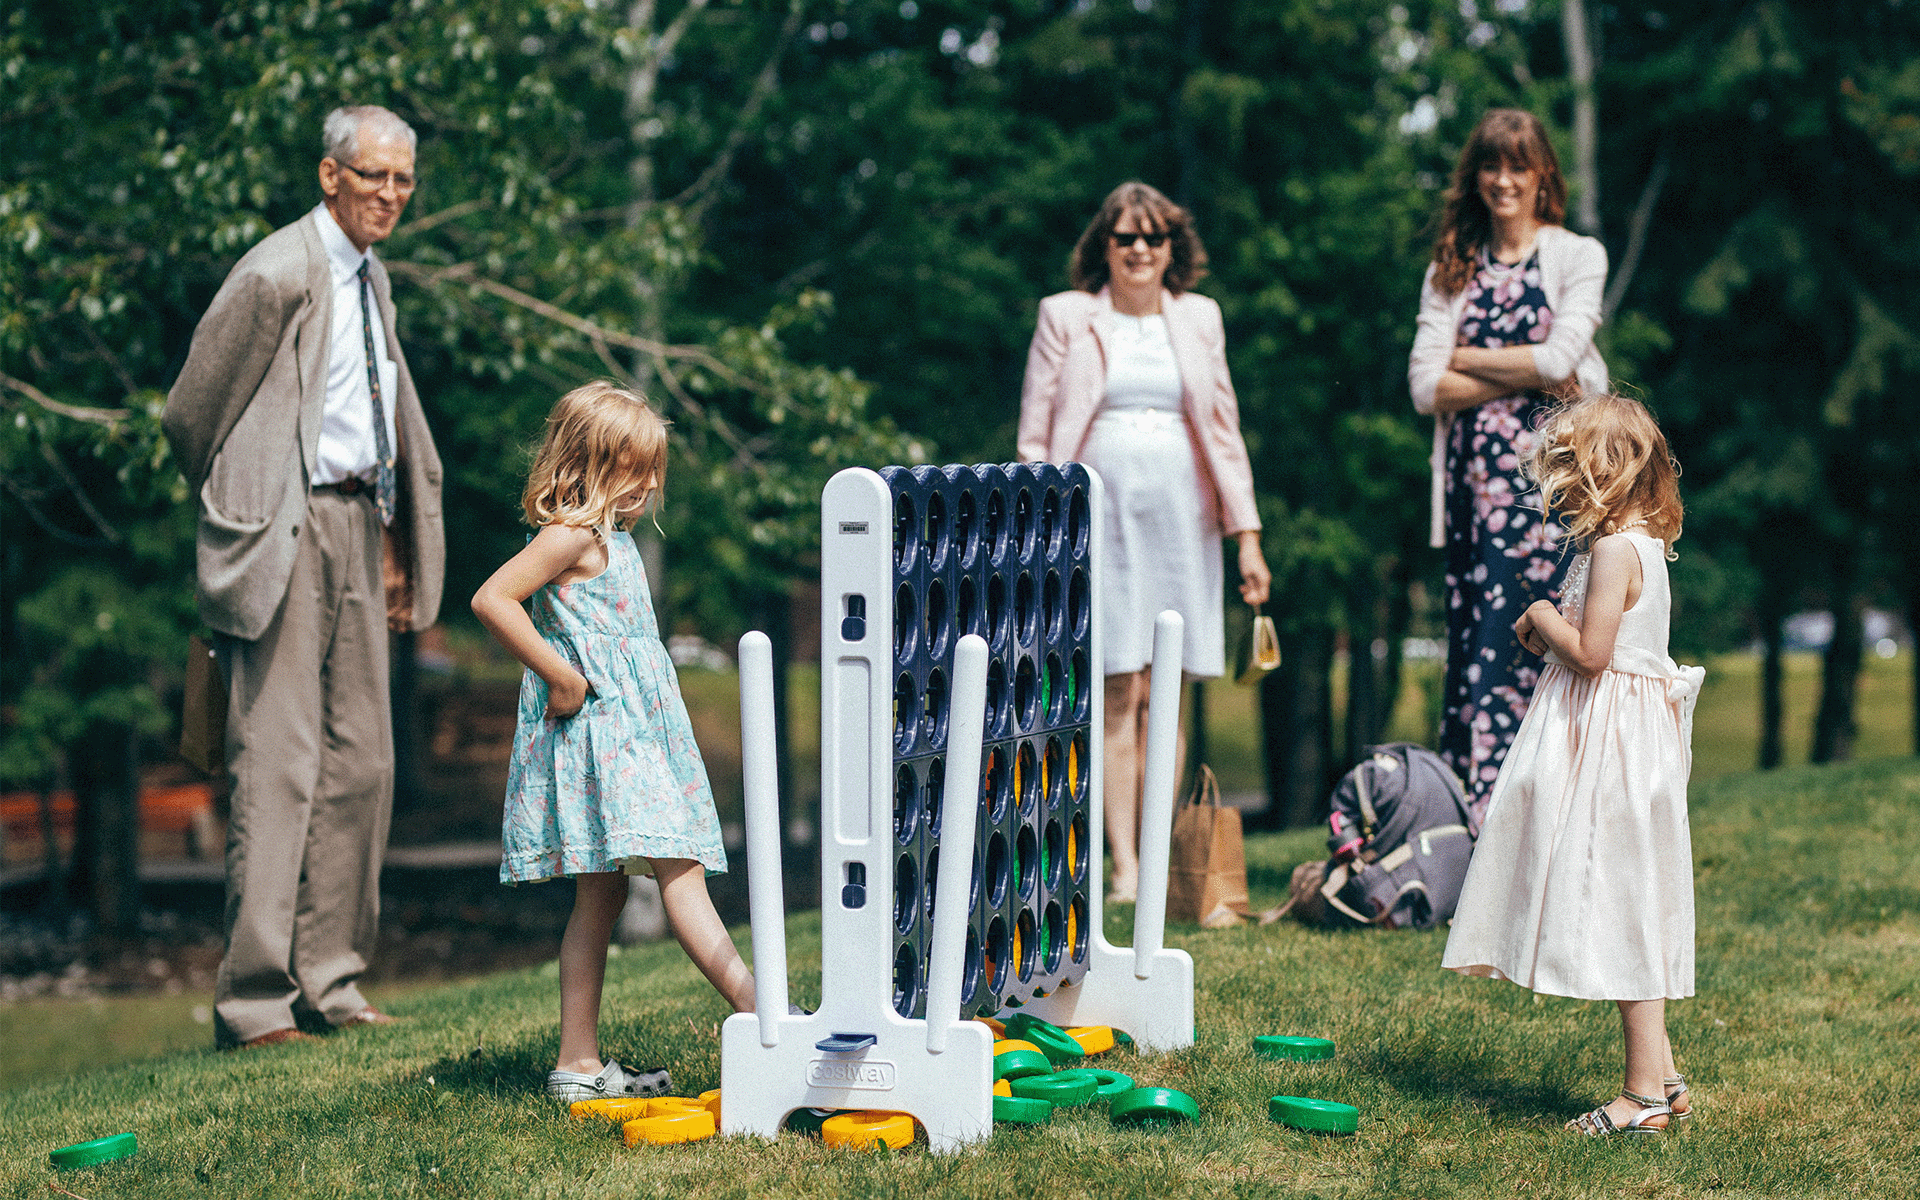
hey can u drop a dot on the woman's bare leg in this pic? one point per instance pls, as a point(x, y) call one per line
point(1644, 1024)
point(597, 901)
point(1124, 754)
point(697, 927)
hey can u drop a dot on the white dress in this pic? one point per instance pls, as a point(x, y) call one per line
point(1161, 548)
point(1582, 879)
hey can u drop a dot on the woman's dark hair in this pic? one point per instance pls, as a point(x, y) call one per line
point(1161, 215)
point(1510, 135)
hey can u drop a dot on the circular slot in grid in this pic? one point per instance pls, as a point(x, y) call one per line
point(935, 533)
point(1051, 529)
point(903, 623)
point(906, 893)
point(1026, 777)
point(1076, 766)
point(1078, 524)
point(1024, 607)
point(939, 631)
point(1053, 606)
point(906, 980)
point(906, 804)
point(994, 953)
point(997, 611)
point(1077, 927)
point(1026, 693)
point(1023, 523)
point(1026, 859)
point(966, 607)
point(1026, 945)
point(1053, 854)
point(933, 879)
point(966, 529)
point(935, 708)
point(993, 532)
point(906, 711)
point(1079, 604)
point(1077, 848)
point(1054, 690)
point(1053, 936)
point(970, 967)
point(979, 859)
point(906, 531)
point(998, 700)
point(999, 869)
point(1079, 685)
point(1054, 767)
point(934, 796)
point(996, 783)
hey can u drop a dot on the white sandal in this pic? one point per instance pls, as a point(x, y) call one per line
point(1599, 1124)
point(1676, 1087)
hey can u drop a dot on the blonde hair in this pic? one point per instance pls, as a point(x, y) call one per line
point(601, 441)
point(1601, 458)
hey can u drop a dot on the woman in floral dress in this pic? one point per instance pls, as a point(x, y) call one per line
point(1507, 315)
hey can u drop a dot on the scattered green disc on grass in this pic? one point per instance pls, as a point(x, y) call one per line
point(87, 1154)
point(1295, 1049)
point(1018, 1064)
point(1056, 1043)
point(1067, 1089)
point(1021, 1110)
point(1106, 1084)
point(1148, 1104)
point(1314, 1116)
point(1123, 1038)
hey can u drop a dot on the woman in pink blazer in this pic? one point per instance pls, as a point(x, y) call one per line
point(1128, 374)
point(1507, 316)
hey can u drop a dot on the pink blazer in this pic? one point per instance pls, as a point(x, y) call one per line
point(1067, 380)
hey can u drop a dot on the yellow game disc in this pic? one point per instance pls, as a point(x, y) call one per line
point(711, 1102)
point(610, 1108)
point(865, 1130)
point(999, 1028)
point(1003, 1087)
point(687, 1125)
point(1005, 1044)
point(1093, 1039)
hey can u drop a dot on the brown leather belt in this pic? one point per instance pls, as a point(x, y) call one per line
point(352, 485)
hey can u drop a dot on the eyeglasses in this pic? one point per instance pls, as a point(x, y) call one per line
point(402, 182)
point(1153, 240)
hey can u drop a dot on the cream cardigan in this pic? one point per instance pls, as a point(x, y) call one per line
point(1573, 275)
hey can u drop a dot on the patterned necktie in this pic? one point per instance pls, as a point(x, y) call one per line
point(383, 470)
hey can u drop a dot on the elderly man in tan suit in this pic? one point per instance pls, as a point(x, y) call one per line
point(296, 422)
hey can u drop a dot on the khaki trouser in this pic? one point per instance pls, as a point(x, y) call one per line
point(310, 746)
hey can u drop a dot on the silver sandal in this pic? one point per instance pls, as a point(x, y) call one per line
point(1676, 1087)
point(1598, 1124)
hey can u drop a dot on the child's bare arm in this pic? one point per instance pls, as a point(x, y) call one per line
point(1588, 647)
point(553, 551)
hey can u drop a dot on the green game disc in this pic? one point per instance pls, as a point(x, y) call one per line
point(1314, 1116)
point(100, 1150)
point(1056, 1043)
point(1295, 1049)
point(1021, 1110)
point(1062, 1090)
point(1147, 1104)
point(807, 1121)
point(1106, 1084)
point(1018, 1064)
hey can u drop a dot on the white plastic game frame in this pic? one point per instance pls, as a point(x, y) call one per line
point(940, 1069)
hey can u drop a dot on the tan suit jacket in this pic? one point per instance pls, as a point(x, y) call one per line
point(243, 420)
point(1067, 381)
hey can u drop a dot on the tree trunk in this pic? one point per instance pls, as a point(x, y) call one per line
point(103, 764)
point(1576, 35)
point(1913, 632)
point(1771, 715)
point(1834, 727)
point(1196, 733)
point(1363, 704)
point(1399, 618)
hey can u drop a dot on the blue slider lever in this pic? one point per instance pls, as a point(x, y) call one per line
point(841, 1042)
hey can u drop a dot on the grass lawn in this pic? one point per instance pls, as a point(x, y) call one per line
point(1802, 1046)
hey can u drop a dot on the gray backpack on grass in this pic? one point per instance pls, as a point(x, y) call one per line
point(1401, 843)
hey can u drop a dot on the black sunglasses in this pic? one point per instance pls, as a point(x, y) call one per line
point(1154, 240)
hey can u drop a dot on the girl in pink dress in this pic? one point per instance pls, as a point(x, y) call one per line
point(1582, 880)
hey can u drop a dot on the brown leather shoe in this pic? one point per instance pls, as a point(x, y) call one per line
point(275, 1037)
point(369, 1016)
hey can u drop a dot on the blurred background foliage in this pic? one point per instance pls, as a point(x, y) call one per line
point(817, 230)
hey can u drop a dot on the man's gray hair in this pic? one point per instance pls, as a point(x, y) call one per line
point(340, 136)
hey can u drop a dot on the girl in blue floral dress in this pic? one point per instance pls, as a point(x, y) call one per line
point(606, 780)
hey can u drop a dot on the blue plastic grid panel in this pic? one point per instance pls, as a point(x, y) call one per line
point(1002, 552)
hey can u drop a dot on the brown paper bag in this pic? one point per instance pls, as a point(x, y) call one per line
point(203, 709)
point(1207, 874)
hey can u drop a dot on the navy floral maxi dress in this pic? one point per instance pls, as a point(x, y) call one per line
point(1503, 553)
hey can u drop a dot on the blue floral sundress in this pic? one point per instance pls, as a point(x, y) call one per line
point(1502, 552)
point(622, 780)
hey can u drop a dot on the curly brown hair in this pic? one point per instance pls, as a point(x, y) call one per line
point(1089, 266)
point(1601, 457)
point(1509, 135)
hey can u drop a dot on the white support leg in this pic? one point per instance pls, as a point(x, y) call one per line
point(765, 897)
point(957, 805)
point(1156, 793)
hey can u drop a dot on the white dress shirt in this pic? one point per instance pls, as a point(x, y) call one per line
point(1142, 372)
point(347, 445)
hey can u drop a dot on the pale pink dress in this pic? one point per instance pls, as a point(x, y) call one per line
point(1582, 879)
